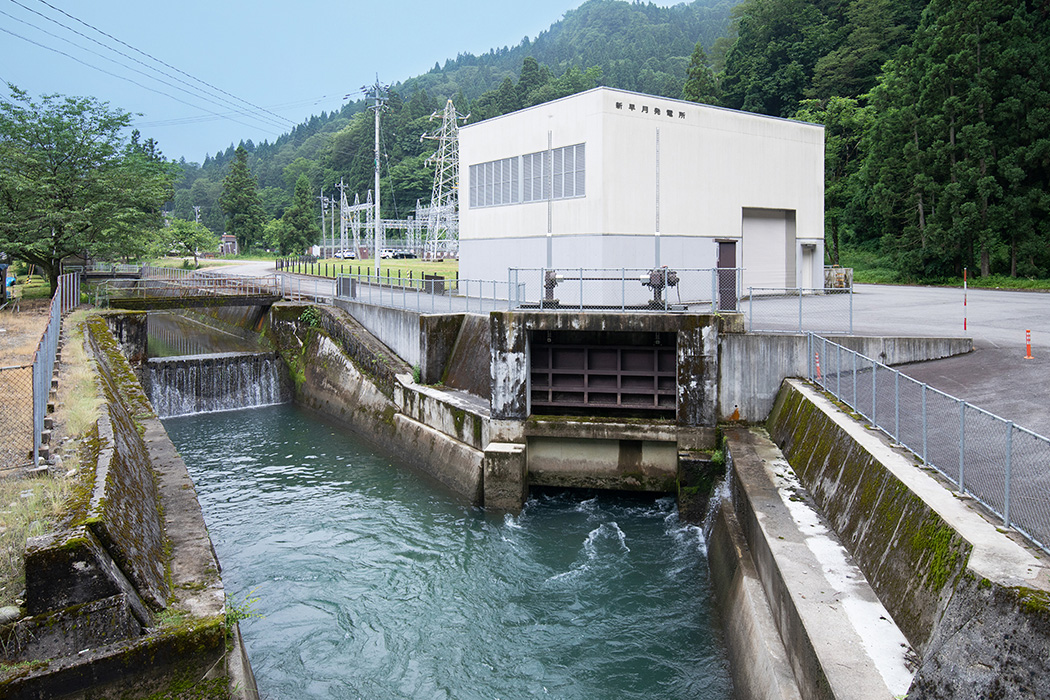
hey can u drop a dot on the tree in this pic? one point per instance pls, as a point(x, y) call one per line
point(69, 183)
point(700, 83)
point(240, 202)
point(957, 156)
point(299, 226)
point(844, 126)
point(188, 238)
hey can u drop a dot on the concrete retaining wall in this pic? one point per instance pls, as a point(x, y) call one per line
point(397, 328)
point(972, 600)
point(753, 365)
point(345, 374)
point(137, 546)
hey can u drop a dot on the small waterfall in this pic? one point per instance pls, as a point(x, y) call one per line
point(188, 384)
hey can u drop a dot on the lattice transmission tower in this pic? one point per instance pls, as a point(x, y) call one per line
point(442, 215)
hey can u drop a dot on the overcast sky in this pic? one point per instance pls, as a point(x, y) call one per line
point(289, 59)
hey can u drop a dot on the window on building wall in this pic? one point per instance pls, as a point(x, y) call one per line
point(556, 174)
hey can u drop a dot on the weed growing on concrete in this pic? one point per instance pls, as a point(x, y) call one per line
point(28, 507)
point(243, 609)
point(78, 400)
point(310, 317)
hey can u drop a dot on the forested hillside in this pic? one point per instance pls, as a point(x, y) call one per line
point(636, 46)
point(937, 115)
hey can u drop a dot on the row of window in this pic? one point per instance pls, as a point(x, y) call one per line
point(555, 174)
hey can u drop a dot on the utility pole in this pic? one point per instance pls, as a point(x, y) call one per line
point(323, 202)
point(197, 214)
point(379, 95)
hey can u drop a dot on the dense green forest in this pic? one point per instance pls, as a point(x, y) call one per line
point(937, 116)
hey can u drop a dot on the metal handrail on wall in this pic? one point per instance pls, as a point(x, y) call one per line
point(1000, 464)
point(427, 295)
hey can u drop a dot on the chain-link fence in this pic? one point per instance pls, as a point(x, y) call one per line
point(1002, 465)
point(626, 289)
point(26, 390)
point(828, 310)
point(16, 428)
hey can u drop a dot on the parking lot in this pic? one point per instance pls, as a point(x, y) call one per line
point(995, 376)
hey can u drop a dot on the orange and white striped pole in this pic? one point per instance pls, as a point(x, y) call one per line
point(964, 298)
point(1028, 345)
point(816, 357)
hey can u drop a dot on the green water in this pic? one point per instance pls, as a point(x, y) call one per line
point(373, 582)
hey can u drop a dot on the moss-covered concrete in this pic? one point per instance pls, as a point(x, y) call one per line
point(138, 535)
point(970, 598)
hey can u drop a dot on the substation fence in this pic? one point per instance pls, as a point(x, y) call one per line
point(626, 289)
point(799, 310)
point(26, 391)
point(998, 463)
point(430, 294)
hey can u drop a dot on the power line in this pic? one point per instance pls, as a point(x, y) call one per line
point(193, 90)
point(166, 65)
point(114, 75)
point(146, 75)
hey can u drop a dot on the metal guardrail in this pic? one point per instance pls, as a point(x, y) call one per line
point(197, 285)
point(799, 310)
point(998, 463)
point(432, 295)
point(696, 290)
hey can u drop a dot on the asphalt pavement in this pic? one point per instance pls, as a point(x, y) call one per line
point(995, 376)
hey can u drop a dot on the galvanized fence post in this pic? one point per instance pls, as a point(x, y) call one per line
point(854, 353)
point(1007, 480)
point(962, 445)
point(924, 461)
point(838, 371)
point(897, 406)
point(874, 388)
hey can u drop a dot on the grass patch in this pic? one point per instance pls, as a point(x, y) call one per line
point(78, 401)
point(868, 266)
point(995, 282)
point(28, 507)
point(448, 269)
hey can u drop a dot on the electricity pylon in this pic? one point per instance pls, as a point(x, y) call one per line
point(443, 212)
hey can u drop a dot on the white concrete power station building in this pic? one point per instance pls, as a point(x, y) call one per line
point(614, 179)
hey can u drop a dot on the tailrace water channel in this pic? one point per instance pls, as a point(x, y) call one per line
point(364, 579)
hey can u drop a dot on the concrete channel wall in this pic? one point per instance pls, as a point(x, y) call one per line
point(397, 328)
point(971, 600)
point(128, 600)
point(753, 365)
